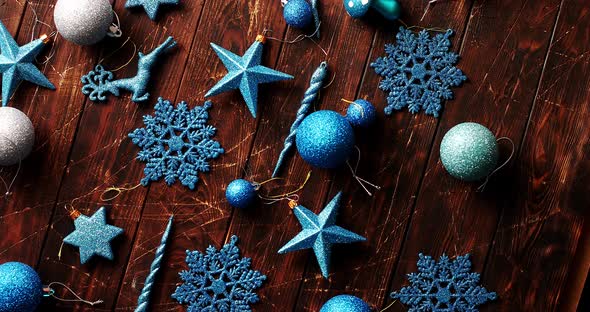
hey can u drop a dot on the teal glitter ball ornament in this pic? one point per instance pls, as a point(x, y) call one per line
point(241, 193)
point(298, 13)
point(469, 151)
point(361, 114)
point(346, 303)
point(390, 9)
point(20, 288)
point(325, 139)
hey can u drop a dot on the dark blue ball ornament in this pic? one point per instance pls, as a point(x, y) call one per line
point(298, 13)
point(241, 193)
point(361, 113)
point(20, 288)
point(325, 139)
point(345, 303)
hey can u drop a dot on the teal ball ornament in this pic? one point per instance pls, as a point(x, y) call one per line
point(469, 151)
point(345, 303)
point(361, 114)
point(325, 139)
point(390, 9)
point(241, 193)
point(298, 13)
point(20, 288)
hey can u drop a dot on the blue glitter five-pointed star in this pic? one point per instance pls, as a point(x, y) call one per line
point(150, 6)
point(245, 73)
point(93, 236)
point(16, 64)
point(320, 233)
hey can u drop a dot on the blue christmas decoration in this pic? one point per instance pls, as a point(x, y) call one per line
point(361, 114)
point(443, 286)
point(20, 288)
point(93, 236)
point(298, 13)
point(320, 233)
point(418, 72)
point(219, 280)
point(176, 143)
point(325, 139)
point(245, 73)
point(16, 63)
point(241, 193)
point(390, 9)
point(346, 303)
point(150, 6)
point(99, 82)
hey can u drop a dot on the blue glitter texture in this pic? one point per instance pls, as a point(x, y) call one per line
point(320, 233)
point(240, 193)
point(443, 286)
point(16, 64)
point(298, 13)
point(20, 288)
point(151, 7)
point(219, 281)
point(99, 82)
point(93, 236)
point(346, 303)
point(325, 139)
point(419, 72)
point(245, 73)
point(361, 114)
point(176, 143)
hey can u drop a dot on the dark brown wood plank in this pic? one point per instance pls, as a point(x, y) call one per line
point(539, 233)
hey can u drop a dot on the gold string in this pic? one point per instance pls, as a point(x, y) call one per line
point(389, 306)
point(288, 195)
point(435, 29)
point(117, 190)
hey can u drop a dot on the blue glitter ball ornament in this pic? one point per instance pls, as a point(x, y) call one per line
point(390, 9)
point(20, 288)
point(469, 151)
point(346, 303)
point(298, 13)
point(241, 193)
point(325, 139)
point(361, 113)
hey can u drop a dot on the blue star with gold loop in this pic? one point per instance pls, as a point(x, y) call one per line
point(245, 73)
point(93, 236)
point(320, 233)
point(16, 63)
point(151, 7)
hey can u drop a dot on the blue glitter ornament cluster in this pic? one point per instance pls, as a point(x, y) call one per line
point(241, 193)
point(20, 288)
point(345, 303)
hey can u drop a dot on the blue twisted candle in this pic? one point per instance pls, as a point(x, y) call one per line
point(311, 94)
point(144, 299)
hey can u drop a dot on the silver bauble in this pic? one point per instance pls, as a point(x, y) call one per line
point(83, 22)
point(17, 136)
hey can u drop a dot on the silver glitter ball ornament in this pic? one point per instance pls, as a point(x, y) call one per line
point(17, 136)
point(469, 151)
point(83, 22)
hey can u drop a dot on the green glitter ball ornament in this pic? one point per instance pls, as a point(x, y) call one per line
point(469, 151)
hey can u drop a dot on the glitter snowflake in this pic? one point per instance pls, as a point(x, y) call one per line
point(443, 286)
point(176, 143)
point(419, 72)
point(218, 281)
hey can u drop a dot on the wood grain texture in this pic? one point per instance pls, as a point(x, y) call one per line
point(529, 79)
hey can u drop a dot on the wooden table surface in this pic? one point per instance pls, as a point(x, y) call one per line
point(528, 64)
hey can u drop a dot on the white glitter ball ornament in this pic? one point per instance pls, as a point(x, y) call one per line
point(17, 136)
point(83, 22)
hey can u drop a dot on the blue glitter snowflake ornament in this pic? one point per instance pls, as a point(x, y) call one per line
point(418, 72)
point(218, 281)
point(443, 286)
point(176, 143)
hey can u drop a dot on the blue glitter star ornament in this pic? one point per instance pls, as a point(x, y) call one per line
point(16, 63)
point(245, 73)
point(219, 281)
point(320, 233)
point(150, 6)
point(418, 72)
point(444, 286)
point(176, 143)
point(93, 236)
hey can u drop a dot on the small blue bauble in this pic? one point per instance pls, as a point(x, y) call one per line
point(345, 303)
point(20, 288)
point(361, 113)
point(469, 151)
point(240, 193)
point(325, 139)
point(390, 9)
point(298, 13)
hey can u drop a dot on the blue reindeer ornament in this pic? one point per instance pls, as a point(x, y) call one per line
point(99, 82)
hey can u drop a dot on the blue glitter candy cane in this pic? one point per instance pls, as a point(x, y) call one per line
point(144, 299)
point(311, 94)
